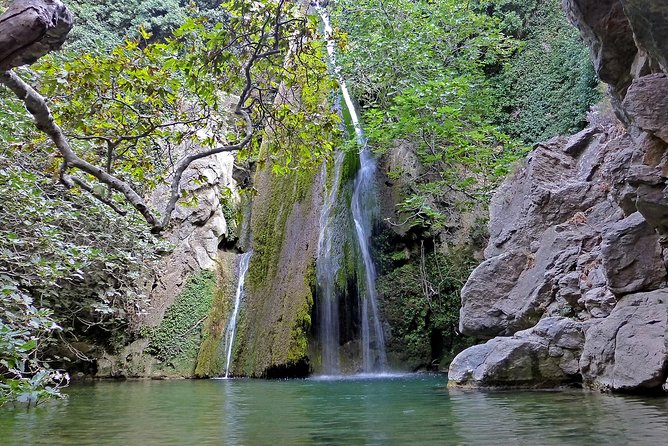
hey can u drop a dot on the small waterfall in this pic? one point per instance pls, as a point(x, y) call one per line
point(244, 261)
point(374, 357)
point(327, 267)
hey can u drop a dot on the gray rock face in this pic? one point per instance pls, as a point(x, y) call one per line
point(196, 230)
point(581, 230)
point(628, 350)
point(631, 256)
point(647, 104)
point(543, 356)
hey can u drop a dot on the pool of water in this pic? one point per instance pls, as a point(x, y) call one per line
point(400, 410)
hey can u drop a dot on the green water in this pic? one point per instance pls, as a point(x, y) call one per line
point(400, 411)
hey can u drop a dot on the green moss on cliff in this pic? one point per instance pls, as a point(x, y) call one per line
point(274, 325)
point(270, 222)
point(176, 341)
point(211, 357)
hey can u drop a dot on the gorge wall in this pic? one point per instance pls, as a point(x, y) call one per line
point(180, 332)
point(573, 286)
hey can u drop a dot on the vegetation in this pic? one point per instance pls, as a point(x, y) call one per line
point(127, 120)
point(71, 274)
point(547, 86)
point(421, 304)
point(176, 341)
point(463, 86)
point(418, 69)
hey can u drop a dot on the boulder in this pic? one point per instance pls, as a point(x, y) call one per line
point(628, 349)
point(632, 256)
point(543, 356)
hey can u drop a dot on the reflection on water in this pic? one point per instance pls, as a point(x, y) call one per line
point(394, 411)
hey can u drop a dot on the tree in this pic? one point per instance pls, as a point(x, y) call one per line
point(116, 120)
point(420, 70)
point(112, 109)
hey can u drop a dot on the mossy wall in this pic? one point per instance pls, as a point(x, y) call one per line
point(211, 355)
point(275, 320)
point(175, 342)
point(189, 340)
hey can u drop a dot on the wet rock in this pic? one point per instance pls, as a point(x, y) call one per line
point(628, 349)
point(544, 356)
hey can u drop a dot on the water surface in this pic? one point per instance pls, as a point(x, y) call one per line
point(408, 410)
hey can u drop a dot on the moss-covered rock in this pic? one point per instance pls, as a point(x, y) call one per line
point(211, 355)
point(175, 342)
point(275, 320)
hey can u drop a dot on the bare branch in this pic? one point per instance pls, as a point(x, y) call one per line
point(31, 28)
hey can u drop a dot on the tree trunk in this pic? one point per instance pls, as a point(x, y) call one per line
point(31, 28)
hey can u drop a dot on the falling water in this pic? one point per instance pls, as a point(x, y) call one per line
point(374, 357)
point(232, 325)
point(361, 208)
point(327, 268)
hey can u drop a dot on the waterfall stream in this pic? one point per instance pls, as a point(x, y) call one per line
point(327, 267)
point(374, 358)
point(244, 261)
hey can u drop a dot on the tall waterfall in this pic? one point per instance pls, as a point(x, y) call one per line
point(374, 358)
point(327, 267)
point(244, 261)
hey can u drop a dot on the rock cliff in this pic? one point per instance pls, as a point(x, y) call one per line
point(573, 286)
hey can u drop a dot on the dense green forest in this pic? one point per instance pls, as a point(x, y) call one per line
point(467, 86)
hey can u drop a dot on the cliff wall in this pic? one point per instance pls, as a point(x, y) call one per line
point(573, 286)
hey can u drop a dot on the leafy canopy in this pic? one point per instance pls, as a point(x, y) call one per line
point(419, 69)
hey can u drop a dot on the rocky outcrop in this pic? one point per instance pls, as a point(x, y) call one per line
point(190, 287)
point(197, 229)
point(580, 230)
point(276, 319)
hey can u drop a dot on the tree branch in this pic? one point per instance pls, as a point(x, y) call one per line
point(38, 108)
point(31, 28)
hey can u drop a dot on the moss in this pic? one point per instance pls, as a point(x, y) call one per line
point(211, 357)
point(175, 342)
point(350, 166)
point(299, 333)
point(302, 323)
point(270, 225)
point(275, 322)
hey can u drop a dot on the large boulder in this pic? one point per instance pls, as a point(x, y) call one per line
point(628, 350)
point(543, 356)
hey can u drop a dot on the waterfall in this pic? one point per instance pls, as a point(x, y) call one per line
point(327, 267)
point(374, 357)
point(244, 261)
point(362, 215)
